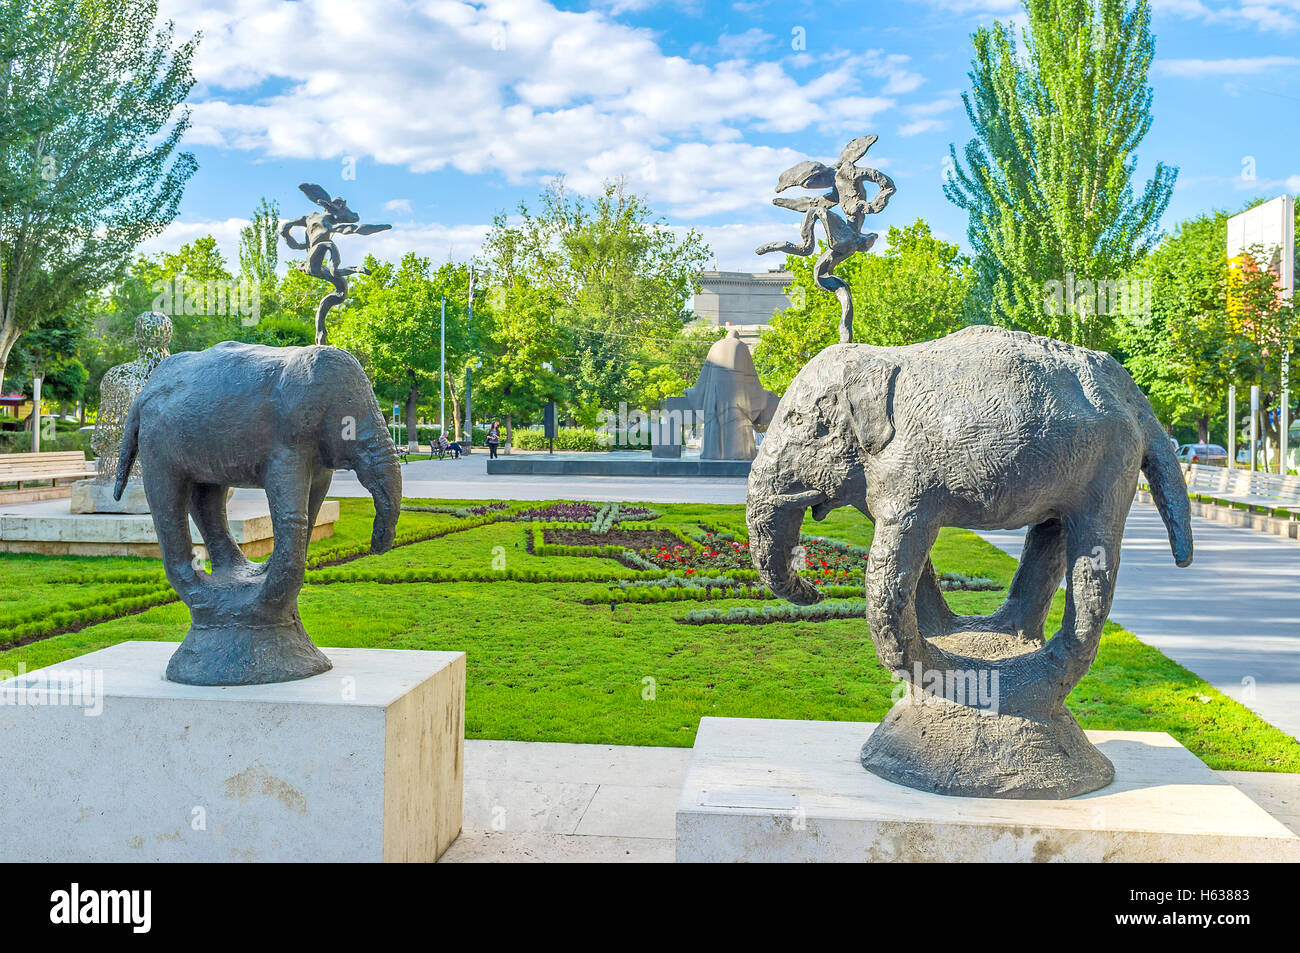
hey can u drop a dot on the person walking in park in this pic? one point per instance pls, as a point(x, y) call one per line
point(493, 438)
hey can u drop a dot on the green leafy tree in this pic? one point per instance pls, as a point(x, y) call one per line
point(392, 321)
point(913, 291)
point(1264, 332)
point(518, 377)
point(51, 351)
point(1180, 347)
point(259, 255)
point(178, 284)
point(89, 121)
point(616, 277)
point(1046, 181)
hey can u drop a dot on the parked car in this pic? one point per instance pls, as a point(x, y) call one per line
point(1206, 453)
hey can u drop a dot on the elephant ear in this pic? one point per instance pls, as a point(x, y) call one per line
point(869, 393)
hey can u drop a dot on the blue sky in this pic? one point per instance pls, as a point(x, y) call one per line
point(445, 113)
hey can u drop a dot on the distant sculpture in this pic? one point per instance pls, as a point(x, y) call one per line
point(983, 429)
point(729, 400)
point(322, 259)
point(117, 389)
point(843, 238)
point(281, 418)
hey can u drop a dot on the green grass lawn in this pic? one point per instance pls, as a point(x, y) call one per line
point(554, 661)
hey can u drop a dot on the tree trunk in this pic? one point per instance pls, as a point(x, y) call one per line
point(455, 405)
point(509, 431)
point(412, 396)
point(1203, 428)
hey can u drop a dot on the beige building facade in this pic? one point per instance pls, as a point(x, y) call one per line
point(744, 300)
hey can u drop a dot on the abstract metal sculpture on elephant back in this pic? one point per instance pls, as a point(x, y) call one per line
point(843, 238)
point(281, 418)
point(983, 429)
point(322, 259)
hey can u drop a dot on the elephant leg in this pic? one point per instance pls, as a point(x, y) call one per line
point(1038, 577)
point(933, 617)
point(320, 485)
point(1092, 547)
point(900, 552)
point(289, 487)
point(208, 508)
point(168, 498)
point(1029, 598)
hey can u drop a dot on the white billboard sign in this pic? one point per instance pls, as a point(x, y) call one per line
point(1271, 225)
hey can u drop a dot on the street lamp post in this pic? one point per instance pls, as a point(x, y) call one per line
point(442, 372)
point(36, 413)
point(468, 440)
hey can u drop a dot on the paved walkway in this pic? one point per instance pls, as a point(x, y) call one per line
point(1232, 617)
point(467, 479)
point(530, 801)
point(534, 801)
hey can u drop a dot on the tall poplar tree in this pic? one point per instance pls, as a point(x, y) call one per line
point(89, 91)
point(1058, 117)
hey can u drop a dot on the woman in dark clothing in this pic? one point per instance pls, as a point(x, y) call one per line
point(493, 438)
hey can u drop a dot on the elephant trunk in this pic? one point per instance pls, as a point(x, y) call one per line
point(379, 472)
point(774, 547)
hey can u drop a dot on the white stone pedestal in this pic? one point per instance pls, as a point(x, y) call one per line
point(764, 790)
point(51, 528)
point(362, 763)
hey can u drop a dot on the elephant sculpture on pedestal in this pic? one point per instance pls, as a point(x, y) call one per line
point(983, 429)
point(281, 418)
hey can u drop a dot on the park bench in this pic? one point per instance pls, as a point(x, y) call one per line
point(1269, 491)
point(17, 469)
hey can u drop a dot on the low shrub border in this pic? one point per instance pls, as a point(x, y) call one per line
point(761, 615)
point(64, 620)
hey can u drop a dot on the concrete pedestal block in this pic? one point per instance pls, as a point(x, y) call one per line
point(89, 496)
point(50, 528)
point(362, 763)
point(764, 790)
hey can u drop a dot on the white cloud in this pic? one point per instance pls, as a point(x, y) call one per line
point(178, 233)
point(742, 45)
point(733, 245)
point(922, 126)
point(978, 8)
point(1224, 67)
point(564, 94)
point(432, 240)
point(398, 205)
point(1269, 15)
point(513, 88)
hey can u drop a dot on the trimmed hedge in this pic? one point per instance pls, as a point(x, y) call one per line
point(759, 615)
point(569, 439)
point(427, 434)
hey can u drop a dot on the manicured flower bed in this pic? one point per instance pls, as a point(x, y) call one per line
point(825, 563)
point(583, 513)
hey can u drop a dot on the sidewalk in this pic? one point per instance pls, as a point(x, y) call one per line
point(468, 479)
point(1232, 617)
point(543, 802)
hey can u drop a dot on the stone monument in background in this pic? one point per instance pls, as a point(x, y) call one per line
point(121, 384)
point(729, 400)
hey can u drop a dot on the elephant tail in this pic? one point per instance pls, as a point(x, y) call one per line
point(130, 445)
point(1168, 489)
